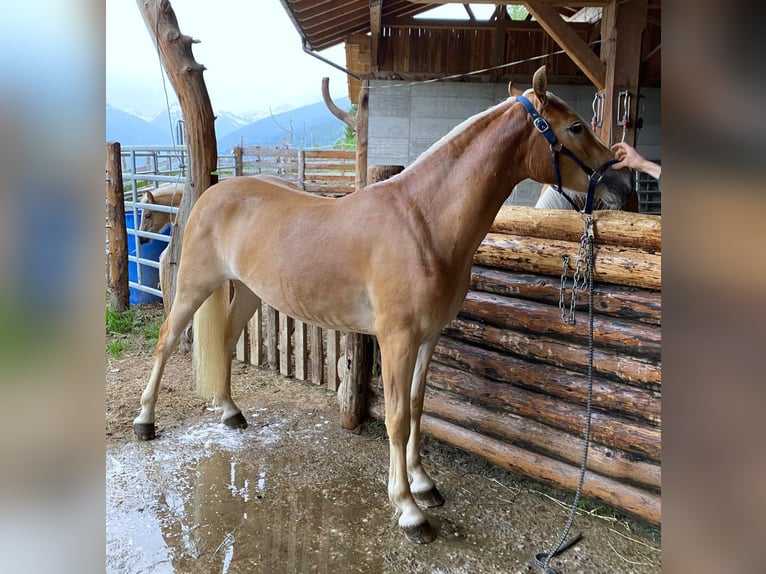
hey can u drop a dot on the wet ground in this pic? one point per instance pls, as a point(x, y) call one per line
point(295, 493)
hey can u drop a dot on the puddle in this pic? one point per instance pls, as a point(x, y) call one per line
point(211, 499)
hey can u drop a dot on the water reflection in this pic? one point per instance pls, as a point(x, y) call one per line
point(214, 500)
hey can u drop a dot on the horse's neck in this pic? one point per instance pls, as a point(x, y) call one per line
point(460, 194)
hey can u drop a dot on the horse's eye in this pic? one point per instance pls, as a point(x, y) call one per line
point(575, 128)
point(147, 214)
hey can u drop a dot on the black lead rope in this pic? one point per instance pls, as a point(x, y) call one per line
point(543, 559)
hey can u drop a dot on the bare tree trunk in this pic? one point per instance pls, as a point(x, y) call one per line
point(186, 77)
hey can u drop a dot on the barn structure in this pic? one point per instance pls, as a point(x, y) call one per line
point(508, 380)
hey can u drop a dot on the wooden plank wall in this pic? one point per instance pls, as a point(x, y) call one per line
point(509, 378)
point(435, 49)
point(293, 348)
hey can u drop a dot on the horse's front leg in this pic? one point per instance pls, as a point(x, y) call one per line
point(398, 361)
point(422, 486)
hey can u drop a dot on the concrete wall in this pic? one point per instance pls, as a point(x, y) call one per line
point(407, 118)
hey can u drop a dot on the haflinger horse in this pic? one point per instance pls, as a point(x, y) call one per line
point(154, 221)
point(392, 260)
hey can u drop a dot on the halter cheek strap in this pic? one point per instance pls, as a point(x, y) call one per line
point(594, 175)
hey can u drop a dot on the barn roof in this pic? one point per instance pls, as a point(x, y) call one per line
point(325, 23)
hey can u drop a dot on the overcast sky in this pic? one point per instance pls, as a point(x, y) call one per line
point(251, 50)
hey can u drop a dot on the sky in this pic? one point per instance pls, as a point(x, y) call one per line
point(251, 49)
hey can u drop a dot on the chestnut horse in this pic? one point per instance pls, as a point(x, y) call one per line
point(392, 260)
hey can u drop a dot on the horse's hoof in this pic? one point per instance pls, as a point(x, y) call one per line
point(237, 421)
point(144, 431)
point(429, 498)
point(421, 533)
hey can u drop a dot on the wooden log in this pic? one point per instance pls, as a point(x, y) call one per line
point(630, 499)
point(286, 325)
point(608, 396)
point(301, 351)
point(631, 370)
point(613, 300)
point(609, 227)
point(238, 169)
point(382, 172)
point(119, 291)
point(626, 337)
point(618, 265)
point(537, 437)
point(185, 74)
point(612, 431)
point(317, 356)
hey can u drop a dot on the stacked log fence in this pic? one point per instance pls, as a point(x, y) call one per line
point(509, 378)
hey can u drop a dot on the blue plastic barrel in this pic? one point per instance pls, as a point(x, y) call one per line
point(151, 250)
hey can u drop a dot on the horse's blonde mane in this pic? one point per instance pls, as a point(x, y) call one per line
point(458, 129)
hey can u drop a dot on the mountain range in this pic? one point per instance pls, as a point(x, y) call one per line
point(305, 127)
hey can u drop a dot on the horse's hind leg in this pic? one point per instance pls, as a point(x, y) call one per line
point(241, 308)
point(181, 313)
point(422, 486)
point(398, 358)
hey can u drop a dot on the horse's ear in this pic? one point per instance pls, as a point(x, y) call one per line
point(149, 198)
point(540, 85)
point(513, 90)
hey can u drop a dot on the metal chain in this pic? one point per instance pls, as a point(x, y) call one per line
point(582, 272)
point(543, 559)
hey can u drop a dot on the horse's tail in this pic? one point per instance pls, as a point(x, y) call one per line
point(209, 356)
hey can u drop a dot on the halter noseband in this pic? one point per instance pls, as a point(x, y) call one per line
point(594, 175)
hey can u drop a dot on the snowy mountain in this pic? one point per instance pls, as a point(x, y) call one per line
point(129, 129)
point(307, 126)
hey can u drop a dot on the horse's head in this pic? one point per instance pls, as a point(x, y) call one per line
point(575, 142)
point(149, 220)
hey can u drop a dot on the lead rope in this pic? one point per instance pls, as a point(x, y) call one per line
point(542, 560)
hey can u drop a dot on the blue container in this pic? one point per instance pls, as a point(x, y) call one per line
point(151, 250)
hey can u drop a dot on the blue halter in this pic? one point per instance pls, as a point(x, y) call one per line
point(594, 175)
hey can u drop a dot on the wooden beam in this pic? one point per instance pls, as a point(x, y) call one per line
point(567, 38)
point(622, 27)
point(577, 3)
point(375, 27)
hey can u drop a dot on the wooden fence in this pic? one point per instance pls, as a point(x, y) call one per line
point(326, 172)
point(509, 378)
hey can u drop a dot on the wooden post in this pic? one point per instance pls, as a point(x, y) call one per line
point(185, 75)
point(119, 293)
point(317, 356)
point(238, 167)
point(352, 394)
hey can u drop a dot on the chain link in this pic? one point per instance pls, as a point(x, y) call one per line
point(582, 274)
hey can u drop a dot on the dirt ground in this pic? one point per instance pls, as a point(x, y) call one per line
point(296, 493)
